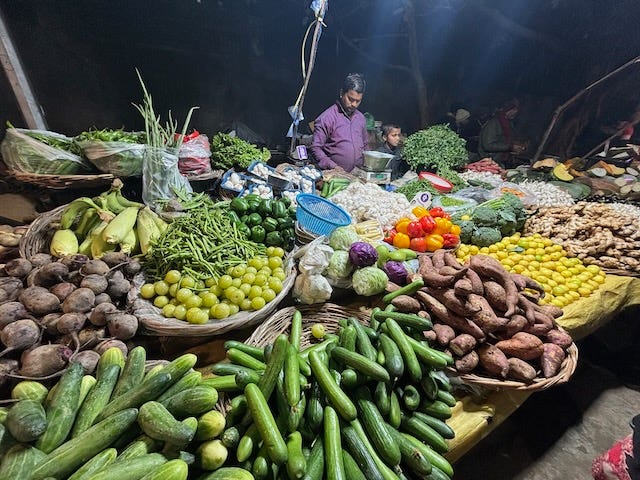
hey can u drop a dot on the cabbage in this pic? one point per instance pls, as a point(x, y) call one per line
point(362, 254)
point(369, 281)
point(339, 266)
point(342, 238)
point(396, 272)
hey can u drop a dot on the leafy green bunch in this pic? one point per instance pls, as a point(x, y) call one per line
point(228, 151)
point(437, 147)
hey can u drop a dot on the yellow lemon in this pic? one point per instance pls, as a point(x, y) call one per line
point(484, 250)
point(493, 248)
point(567, 274)
point(518, 268)
point(593, 269)
point(508, 262)
point(598, 278)
point(575, 295)
point(558, 302)
point(552, 283)
point(585, 291)
point(473, 249)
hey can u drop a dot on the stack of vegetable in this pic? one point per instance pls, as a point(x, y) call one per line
point(333, 186)
point(490, 221)
point(595, 233)
point(266, 221)
point(564, 279)
point(431, 230)
point(489, 319)
point(56, 310)
point(229, 151)
point(484, 165)
point(106, 223)
point(368, 401)
point(9, 241)
point(123, 423)
point(113, 151)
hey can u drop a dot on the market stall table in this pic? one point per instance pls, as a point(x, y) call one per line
point(474, 421)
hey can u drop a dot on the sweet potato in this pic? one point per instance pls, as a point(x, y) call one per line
point(484, 315)
point(493, 360)
point(457, 273)
point(462, 287)
point(560, 338)
point(522, 345)
point(537, 329)
point(450, 260)
point(444, 333)
point(467, 363)
point(527, 307)
point(440, 312)
point(476, 282)
point(406, 303)
point(462, 344)
point(491, 269)
point(454, 304)
point(550, 310)
point(495, 295)
point(430, 336)
point(391, 287)
point(523, 282)
point(552, 357)
point(514, 325)
point(431, 276)
point(521, 370)
point(437, 259)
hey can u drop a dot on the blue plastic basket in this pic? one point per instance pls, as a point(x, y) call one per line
point(320, 216)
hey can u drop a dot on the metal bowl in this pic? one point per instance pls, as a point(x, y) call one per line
point(376, 160)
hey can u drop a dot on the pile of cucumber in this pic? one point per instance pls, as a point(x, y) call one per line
point(367, 402)
point(125, 423)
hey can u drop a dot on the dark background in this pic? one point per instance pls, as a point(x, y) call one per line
point(240, 60)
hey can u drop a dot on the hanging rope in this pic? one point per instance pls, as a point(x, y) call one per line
point(318, 23)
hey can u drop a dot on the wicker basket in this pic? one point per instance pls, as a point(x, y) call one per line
point(154, 323)
point(566, 370)
point(38, 236)
point(62, 182)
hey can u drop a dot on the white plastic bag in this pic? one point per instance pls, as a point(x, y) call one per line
point(161, 177)
point(309, 289)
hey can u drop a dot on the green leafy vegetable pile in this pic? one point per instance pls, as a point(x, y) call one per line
point(410, 189)
point(109, 135)
point(228, 151)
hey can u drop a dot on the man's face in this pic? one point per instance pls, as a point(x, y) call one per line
point(511, 114)
point(350, 101)
point(393, 137)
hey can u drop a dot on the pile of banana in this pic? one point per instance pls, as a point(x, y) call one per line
point(106, 223)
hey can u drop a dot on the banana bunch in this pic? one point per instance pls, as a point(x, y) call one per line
point(106, 223)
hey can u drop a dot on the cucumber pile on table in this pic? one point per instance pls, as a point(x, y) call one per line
point(367, 402)
point(123, 423)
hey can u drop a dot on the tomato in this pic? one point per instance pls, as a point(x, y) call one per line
point(427, 223)
point(401, 240)
point(388, 236)
point(450, 240)
point(420, 211)
point(414, 229)
point(437, 212)
point(442, 226)
point(455, 229)
point(434, 242)
point(402, 225)
point(418, 244)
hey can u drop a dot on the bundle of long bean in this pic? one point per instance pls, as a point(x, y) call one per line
point(204, 243)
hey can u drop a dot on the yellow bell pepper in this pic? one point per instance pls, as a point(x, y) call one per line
point(420, 211)
point(401, 240)
point(434, 242)
point(401, 225)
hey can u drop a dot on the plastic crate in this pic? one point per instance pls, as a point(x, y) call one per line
point(320, 216)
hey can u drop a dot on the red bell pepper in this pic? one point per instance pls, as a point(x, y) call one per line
point(450, 240)
point(427, 223)
point(388, 236)
point(414, 229)
point(418, 244)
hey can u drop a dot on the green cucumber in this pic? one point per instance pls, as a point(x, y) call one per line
point(360, 454)
point(436, 460)
point(430, 356)
point(437, 424)
point(229, 473)
point(70, 455)
point(351, 468)
point(406, 320)
point(132, 372)
point(315, 462)
point(261, 465)
point(336, 397)
point(274, 366)
point(429, 387)
point(141, 446)
point(296, 463)
point(176, 469)
point(192, 401)
point(238, 357)
point(314, 412)
point(97, 399)
point(383, 468)
point(255, 352)
point(333, 445)
point(292, 376)
point(360, 363)
point(227, 368)
point(363, 342)
point(409, 357)
point(348, 338)
point(266, 423)
point(411, 397)
point(394, 410)
point(157, 422)
point(130, 469)
point(188, 380)
point(97, 462)
point(411, 456)
point(381, 398)
point(26, 420)
point(248, 442)
point(436, 409)
point(376, 429)
point(62, 410)
point(296, 330)
point(423, 432)
point(408, 289)
point(447, 398)
point(392, 357)
point(225, 383)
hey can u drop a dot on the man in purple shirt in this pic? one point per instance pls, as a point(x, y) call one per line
point(340, 132)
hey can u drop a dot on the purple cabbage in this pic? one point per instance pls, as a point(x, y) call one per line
point(362, 254)
point(396, 272)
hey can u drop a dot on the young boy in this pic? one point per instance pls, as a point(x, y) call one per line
point(391, 136)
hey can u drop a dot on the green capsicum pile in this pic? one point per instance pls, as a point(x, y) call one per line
point(267, 221)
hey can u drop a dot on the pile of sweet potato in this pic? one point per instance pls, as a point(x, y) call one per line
point(487, 318)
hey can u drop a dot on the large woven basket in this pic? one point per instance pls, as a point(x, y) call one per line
point(62, 182)
point(564, 374)
point(38, 236)
point(154, 323)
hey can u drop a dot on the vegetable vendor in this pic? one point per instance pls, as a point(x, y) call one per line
point(340, 132)
point(391, 135)
point(497, 137)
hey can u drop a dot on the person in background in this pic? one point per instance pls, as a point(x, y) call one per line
point(340, 132)
point(391, 136)
point(497, 137)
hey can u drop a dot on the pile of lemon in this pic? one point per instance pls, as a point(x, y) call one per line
point(564, 279)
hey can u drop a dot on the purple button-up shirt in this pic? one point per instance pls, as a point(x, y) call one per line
point(338, 140)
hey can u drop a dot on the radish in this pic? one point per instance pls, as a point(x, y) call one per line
point(19, 335)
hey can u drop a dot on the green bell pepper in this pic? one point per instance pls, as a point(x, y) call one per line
point(270, 224)
point(244, 230)
point(254, 219)
point(273, 239)
point(239, 205)
point(257, 234)
point(266, 207)
point(279, 209)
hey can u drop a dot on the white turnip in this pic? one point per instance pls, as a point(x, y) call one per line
point(39, 301)
point(10, 312)
point(122, 325)
point(19, 335)
point(80, 300)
